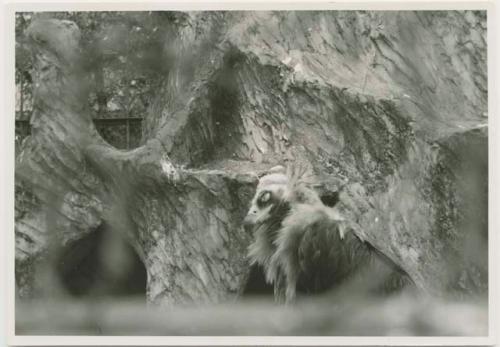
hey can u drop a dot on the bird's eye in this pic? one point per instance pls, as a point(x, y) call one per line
point(264, 197)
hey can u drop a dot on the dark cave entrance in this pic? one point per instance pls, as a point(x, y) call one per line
point(102, 264)
point(256, 285)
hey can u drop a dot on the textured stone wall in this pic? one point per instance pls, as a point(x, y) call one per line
point(388, 108)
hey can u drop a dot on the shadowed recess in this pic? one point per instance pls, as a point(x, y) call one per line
point(101, 264)
point(256, 284)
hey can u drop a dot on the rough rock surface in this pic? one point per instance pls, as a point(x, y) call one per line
point(389, 108)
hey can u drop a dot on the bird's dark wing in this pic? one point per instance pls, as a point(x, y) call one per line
point(328, 260)
point(325, 258)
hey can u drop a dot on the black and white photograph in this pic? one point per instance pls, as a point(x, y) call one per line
point(242, 172)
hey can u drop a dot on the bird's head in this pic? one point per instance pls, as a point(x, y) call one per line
point(269, 195)
point(278, 190)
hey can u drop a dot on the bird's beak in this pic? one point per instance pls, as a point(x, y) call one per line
point(248, 221)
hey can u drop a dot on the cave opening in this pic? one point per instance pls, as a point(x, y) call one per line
point(256, 285)
point(101, 264)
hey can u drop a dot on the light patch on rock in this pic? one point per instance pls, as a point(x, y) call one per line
point(298, 68)
point(202, 273)
point(411, 254)
point(169, 169)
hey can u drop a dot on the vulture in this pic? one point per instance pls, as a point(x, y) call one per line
point(304, 247)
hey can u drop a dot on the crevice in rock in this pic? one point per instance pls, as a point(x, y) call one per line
point(224, 104)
